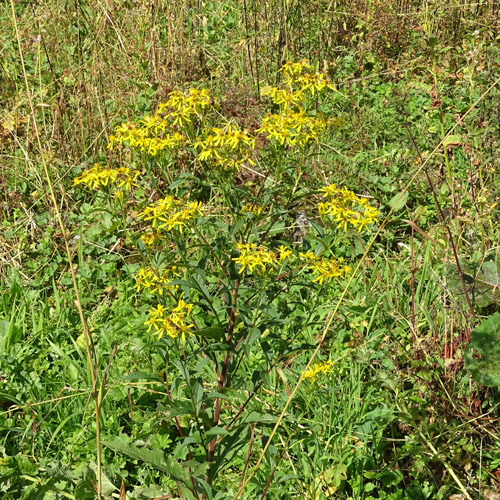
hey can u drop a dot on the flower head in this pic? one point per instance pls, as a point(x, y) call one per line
point(173, 323)
point(156, 281)
point(254, 257)
point(171, 213)
point(325, 269)
point(317, 369)
point(346, 208)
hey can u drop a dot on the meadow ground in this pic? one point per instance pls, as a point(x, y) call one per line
point(249, 249)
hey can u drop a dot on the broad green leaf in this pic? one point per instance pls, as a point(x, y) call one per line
point(398, 201)
point(484, 363)
point(217, 431)
point(452, 140)
point(212, 332)
point(481, 279)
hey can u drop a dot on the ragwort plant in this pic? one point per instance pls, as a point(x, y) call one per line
point(223, 269)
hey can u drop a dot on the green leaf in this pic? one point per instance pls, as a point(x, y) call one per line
point(398, 201)
point(485, 341)
point(212, 332)
point(481, 279)
point(375, 422)
point(217, 431)
point(215, 394)
point(452, 140)
point(85, 489)
point(265, 418)
point(154, 457)
point(432, 41)
point(142, 376)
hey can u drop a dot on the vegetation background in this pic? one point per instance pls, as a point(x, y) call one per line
point(415, 130)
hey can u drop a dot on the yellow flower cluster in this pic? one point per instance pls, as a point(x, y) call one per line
point(160, 131)
point(172, 323)
point(149, 135)
point(284, 253)
point(292, 69)
point(156, 281)
point(285, 98)
point(181, 107)
point(171, 213)
point(298, 75)
point(329, 268)
point(253, 256)
point(307, 256)
point(346, 208)
point(293, 127)
point(252, 208)
point(228, 147)
point(325, 268)
point(318, 368)
point(150, 238)
point(98, 176)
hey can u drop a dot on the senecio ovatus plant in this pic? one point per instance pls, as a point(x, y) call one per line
point(233, 283)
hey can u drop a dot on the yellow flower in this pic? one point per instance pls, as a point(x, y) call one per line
point(173, 324)
point(284, 97)
point(284, 253)
point(171, 213)
point(329, 268)
point(253, 256)
point(160, 131)
point(252, 208)
point(293, 127)
point(156, 281)
point(308, 256)
point(313, 82)
point(346, 208)
point(227, 147)
point(298, 75)
point(150, 238)
point(155, 317)
point(318, 368)
point(99, 176)
point(291, 69)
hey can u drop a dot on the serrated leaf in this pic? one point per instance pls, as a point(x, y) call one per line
point(154, 457)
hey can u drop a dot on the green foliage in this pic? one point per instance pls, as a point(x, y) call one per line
point(387, 410)
point(482, 357)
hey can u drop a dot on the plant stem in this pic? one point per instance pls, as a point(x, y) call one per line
point(223, 376)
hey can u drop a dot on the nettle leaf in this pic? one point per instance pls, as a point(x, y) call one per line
point(482, 356)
